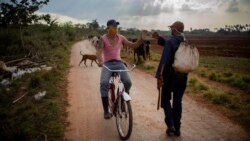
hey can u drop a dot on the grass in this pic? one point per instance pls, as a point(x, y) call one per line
point(230, 71)
point(149, 66)
point(238, 106)
point(233, 64)
point(193, 82)
point(29, 119)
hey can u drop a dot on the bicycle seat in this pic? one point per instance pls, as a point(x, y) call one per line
point(114, 74)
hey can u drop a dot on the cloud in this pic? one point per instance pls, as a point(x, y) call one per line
point(144, 8)
point(196, 6)
point(244, 6)
point(247, 2)
point(154, 13)
point(186, 7)
point(63, 19)
point(233, 6)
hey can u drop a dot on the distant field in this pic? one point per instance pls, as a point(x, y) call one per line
point(234, 64)
point(228, 46)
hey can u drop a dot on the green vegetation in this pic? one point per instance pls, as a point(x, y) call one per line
point(29, 119)
point(214, 95)
point(238, 65)
point(197, 86)
point(237, 104)
point(149, 66)
point(231, 71)
point(22, 12)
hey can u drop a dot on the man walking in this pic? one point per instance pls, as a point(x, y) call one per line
point(171, 83)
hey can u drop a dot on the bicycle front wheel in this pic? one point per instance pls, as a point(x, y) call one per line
point(124, 118)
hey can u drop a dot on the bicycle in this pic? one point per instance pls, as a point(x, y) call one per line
point(119, 104)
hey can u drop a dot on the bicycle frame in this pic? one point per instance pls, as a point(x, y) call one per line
point(120, 106)
point(125, 95)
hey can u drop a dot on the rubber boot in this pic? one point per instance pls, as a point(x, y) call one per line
point(105, 103)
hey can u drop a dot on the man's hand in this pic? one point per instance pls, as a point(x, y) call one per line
point(159, 83)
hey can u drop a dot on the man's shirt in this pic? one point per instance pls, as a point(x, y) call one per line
point(171, 45)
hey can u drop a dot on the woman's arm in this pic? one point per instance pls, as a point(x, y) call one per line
point(140, 40)
point(132, 44)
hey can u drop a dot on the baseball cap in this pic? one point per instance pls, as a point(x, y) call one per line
point(179, 26)
point(112, 22)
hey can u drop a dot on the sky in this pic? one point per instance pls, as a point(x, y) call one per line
point(152, 14)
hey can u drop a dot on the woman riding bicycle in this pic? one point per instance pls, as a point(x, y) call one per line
point(110, 46)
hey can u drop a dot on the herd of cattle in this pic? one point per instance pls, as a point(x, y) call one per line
point(142, 52)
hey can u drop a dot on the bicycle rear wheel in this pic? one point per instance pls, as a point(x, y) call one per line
point(124, 118)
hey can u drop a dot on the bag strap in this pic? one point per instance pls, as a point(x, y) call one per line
point(184, 38)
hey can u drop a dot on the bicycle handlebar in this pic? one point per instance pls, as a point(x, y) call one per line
point(132, 68)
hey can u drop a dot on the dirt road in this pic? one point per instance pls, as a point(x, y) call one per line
point(86, 114)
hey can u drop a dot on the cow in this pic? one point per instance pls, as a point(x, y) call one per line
point(90, 37)
point(143, 50)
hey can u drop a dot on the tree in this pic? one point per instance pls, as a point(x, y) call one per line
point(94, 25)
point(21, 12)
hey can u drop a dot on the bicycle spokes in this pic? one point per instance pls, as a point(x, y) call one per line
point(124, 118)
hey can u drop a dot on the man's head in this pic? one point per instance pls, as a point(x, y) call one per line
point(177, 28)
point(112, 27)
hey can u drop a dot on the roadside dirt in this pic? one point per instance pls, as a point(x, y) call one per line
point(85, 113)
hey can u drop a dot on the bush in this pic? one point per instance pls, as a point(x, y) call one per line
point(227, 74)
point(203, 72)
point(35, 82)
point(246, 79)
point(197, 85)
point(192, 81)
point(221, 99)
point(212, 76)
point(155, 57)
point(149, 67)
point(202, 87)
point(28, 118)
point(218, 97)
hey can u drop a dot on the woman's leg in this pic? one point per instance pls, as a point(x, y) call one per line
point(104, 82)
point(104, 89)
point(125, 78)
